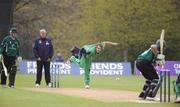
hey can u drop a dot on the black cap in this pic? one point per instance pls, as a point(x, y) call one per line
point(13, 30)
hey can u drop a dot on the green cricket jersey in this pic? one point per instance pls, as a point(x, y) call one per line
point(10, 46)
point(177, 89)
point(87, 60)
point(92, 49)
point(147, 55)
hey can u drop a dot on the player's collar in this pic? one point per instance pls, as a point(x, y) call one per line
point(14, 38)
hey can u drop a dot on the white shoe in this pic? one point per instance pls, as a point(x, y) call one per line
point(37, 85)
point(152, 99)
point(3, 86)
point(49, 85)
point(87, 87)
point(140, 98)
point(177, 100)
point(12, 86)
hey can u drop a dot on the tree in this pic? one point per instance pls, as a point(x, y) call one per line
point(134, 24)
point(6, 16)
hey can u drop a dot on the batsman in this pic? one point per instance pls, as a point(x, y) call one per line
point(9, 52)
point(177, 88)
point(145, 63)
point(83, 57)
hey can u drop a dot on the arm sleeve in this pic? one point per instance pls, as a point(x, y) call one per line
point(35, 49)
point(90, 49)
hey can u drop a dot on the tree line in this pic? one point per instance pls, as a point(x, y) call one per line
point(134, 24)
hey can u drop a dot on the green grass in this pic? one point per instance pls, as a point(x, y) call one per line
point(19, 97)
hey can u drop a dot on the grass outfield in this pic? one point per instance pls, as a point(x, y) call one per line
point(19, 97)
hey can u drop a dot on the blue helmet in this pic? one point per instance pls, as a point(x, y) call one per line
point(158, 44)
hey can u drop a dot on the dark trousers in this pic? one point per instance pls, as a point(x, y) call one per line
point(40, 66)
point(10, 63)
point(147, 69)
point(151, 85)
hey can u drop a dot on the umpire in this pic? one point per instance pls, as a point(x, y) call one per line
point(43, 51)
point(9, 52)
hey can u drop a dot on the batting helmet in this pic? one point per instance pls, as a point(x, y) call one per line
point(158, 44)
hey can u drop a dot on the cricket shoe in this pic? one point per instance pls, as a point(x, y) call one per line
point(177, 100)
point(37, 85)
point(49, 85)
point(87, 87)
point(11, 86)
point(3, 85)
point(141, 98)
point(152, 99)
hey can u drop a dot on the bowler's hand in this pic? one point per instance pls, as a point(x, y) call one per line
point(115, 44)
point(111, 43)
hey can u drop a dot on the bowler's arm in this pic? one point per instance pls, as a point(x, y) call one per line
point(111, 43)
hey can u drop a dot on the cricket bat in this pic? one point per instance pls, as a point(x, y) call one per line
point(162, 40)
point(4, 67)
point(161, 43)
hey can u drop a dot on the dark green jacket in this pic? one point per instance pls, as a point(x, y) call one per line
point(10, 46)
point(147, 55)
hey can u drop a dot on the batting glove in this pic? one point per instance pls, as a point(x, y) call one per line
point(162, 62)
point(160, 57)
point(19, 59)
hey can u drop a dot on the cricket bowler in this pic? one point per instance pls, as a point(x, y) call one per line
point(83, 57)
point(145, 64)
